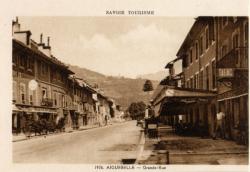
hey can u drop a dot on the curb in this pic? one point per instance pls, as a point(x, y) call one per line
point(140, 147)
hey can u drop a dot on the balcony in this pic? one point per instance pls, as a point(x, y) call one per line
point(47, 102)
point(237, 58)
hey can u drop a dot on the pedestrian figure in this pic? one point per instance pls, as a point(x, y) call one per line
point(219, 125)
point(106, 119)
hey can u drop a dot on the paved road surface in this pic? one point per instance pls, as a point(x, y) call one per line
point(100, 145)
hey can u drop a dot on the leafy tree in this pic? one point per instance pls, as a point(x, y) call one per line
point(148, 86)
point(137, 110)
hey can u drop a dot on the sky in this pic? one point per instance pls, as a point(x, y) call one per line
point(117, 46)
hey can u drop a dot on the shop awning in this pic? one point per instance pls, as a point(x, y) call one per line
point(184, 94)
point(15, 108)
point(174, 100)
point(34, 110)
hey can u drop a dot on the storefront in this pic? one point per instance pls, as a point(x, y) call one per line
point(191, 106)
point(23, 116)
point(234, 104)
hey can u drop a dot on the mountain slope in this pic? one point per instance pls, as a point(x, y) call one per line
point(123, 90)
point(158, 76)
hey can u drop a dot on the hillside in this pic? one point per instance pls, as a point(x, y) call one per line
point(122, 90)
point(157, 76)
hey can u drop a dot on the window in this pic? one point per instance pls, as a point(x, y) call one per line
point(22, 92)
point(196, 50)
point(30, 64)
point(201, 45)
point(187, 84)
point(192, 83)
point(63, 100)
point(213, 75)
point(191, 56)
point(61, 76)
point(201, 80)
point(236, 45)
point(207, 78)
point(235, 41)
point(22, 61)
point(223, 50)
point(207, 38)
point(31, 97)
point(59, 98)
point(246, 34)
point(14, 91)
point(55, 99)
point(196, 81)
point(44, 68)
point(44, 93)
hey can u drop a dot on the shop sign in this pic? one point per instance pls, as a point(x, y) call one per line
point(226, 73)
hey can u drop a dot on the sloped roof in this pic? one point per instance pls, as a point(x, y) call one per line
point(51, 59)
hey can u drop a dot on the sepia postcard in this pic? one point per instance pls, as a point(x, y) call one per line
point(153, 86)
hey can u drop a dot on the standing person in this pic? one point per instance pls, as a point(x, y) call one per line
point(106, 119)
point(220, 124)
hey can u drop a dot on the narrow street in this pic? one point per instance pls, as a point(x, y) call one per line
point(108, 144)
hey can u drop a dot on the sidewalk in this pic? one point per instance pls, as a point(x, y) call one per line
point(191, 150)
point(22, 137)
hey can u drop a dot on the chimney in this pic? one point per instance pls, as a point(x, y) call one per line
point(41, 38)
point(15, 26)
point(46, 49)
point(23, 36)
point(48, 41)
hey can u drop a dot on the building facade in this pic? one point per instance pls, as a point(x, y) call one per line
point(198, 54)
point(214, 78)
point(39, 81)
point(232, 66)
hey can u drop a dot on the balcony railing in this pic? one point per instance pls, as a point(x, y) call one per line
point(47, 102)
point(236, 58)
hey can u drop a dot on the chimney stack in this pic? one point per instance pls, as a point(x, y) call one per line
point(41, 38)
point(15, 26)
point(48, 41)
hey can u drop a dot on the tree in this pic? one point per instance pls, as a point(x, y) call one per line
point(137, 110)
point(148, 86)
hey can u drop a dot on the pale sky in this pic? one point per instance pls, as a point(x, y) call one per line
point(125, 46)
